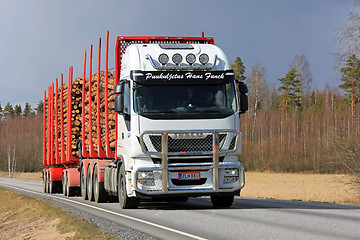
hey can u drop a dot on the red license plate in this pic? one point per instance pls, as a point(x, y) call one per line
point(189, 176)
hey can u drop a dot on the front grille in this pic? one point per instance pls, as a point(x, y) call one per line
point(185, 142)
point(185, 145)
point(187, 160)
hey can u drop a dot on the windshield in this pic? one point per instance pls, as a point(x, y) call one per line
point(185, 101)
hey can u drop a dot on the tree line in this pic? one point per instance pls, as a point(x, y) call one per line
point(294, 128)
point(21, 138)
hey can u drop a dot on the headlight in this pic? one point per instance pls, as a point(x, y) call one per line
point(163, 58)
point(145, 175)
point(149, 180)
point(231, 175)
point(177, 58)
point(231, 172)
point(204, 58)
point(190, 58)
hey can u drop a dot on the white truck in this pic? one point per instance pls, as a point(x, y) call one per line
point(177, 110)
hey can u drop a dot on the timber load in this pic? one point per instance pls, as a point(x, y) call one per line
point(71, 114)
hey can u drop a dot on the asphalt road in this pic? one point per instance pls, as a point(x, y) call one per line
point(196, 219)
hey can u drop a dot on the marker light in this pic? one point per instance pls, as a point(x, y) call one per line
point(177, 58)
point(190, 58)
point(204, 58)
point(163, 59)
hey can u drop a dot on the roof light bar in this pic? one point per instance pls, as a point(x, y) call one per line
point(177, 67)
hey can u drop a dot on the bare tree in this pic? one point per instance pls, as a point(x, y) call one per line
point(11, 161)
point(302, 67)
point(259, 96)
point(348, 36)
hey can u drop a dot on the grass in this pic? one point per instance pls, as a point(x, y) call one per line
point(331, 188)
point(23, 217)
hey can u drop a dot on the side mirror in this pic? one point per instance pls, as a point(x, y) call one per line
point(119, 89)
point(119, 103)
point(244, 102)
point(243, 87)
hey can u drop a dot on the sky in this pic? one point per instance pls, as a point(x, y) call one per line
point(40, 39)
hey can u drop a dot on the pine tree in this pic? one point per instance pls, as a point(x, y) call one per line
point(351, 81)
point(17, 110)
point(8, 110)
point(40, 108)
point(290, 89)
point(27, 110)
point(239, 69)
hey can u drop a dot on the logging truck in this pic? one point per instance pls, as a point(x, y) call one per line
point(163, 125)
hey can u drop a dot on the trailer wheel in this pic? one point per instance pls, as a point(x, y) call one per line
point(219, 201)
point(100, 194)
point(45, 184)
point(89, 185)
point(52, 187)
point(70, 190)
point(124, 200)
point(64, 184)
point(83, 184)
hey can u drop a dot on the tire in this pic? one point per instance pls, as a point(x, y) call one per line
point(52, 187)
point(45, 184)
point(89, 187)
point(125, 201)
point(83, 187)
point(219, 201)
point(100, 194)
point(70, 190)
point(64, 184)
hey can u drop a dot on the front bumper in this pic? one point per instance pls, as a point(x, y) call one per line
point(213, 177)
point(205, 185)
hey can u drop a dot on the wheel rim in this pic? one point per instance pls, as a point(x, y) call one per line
point(63, 185)
point(96, 183)
point(67, 185)
point(47, 183)
point(44, 182)
point(89, 185)
point(83, 184)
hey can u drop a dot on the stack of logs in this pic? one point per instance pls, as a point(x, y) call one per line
point(111, 116)
point(76, 114)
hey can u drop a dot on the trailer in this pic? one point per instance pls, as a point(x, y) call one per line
point(164, 124)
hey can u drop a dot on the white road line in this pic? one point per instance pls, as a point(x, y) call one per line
point(115, 213)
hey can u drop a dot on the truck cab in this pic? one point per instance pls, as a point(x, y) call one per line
point(178, 124)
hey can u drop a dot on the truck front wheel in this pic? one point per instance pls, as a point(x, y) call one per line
point(221, 201)
point(124, 200)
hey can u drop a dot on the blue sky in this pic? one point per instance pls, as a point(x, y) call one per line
point(41, 38)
